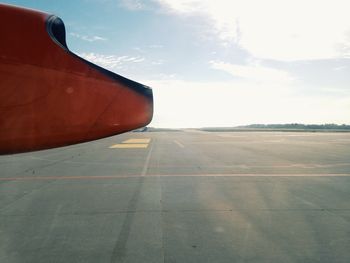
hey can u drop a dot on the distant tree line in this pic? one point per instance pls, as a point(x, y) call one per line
point(327, 126)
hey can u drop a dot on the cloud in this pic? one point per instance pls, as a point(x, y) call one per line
point(155, 46)
point(157, 62)
point(132, 5)
point(276, 29)
point(88, 38)
point(110, 62)
point(339, 68)
point(254, 72)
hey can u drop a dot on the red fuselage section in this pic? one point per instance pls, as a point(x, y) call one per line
point(50, 97)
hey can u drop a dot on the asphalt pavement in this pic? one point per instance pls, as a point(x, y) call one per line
point(186, 196)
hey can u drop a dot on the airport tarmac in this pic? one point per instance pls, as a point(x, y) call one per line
point(187, 196)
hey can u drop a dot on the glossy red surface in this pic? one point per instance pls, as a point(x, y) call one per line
point(50, 97)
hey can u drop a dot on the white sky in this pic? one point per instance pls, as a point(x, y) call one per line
point(282, 31)
point(277, 29)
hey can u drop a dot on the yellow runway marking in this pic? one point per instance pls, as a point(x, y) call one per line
point(129, 146)
point(137, 141)
point(132, 144)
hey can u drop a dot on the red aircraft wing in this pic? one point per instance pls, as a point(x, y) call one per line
point(50, 97)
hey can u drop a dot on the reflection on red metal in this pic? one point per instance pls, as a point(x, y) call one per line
point(50, 97)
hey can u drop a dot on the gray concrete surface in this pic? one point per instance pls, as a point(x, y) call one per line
point(188, 197)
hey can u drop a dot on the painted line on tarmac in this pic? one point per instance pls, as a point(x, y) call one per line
point(132, 144)
point(148, 158)
point(92, 177)
point(129, 146)
point(179, 144)
point(144, 140)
